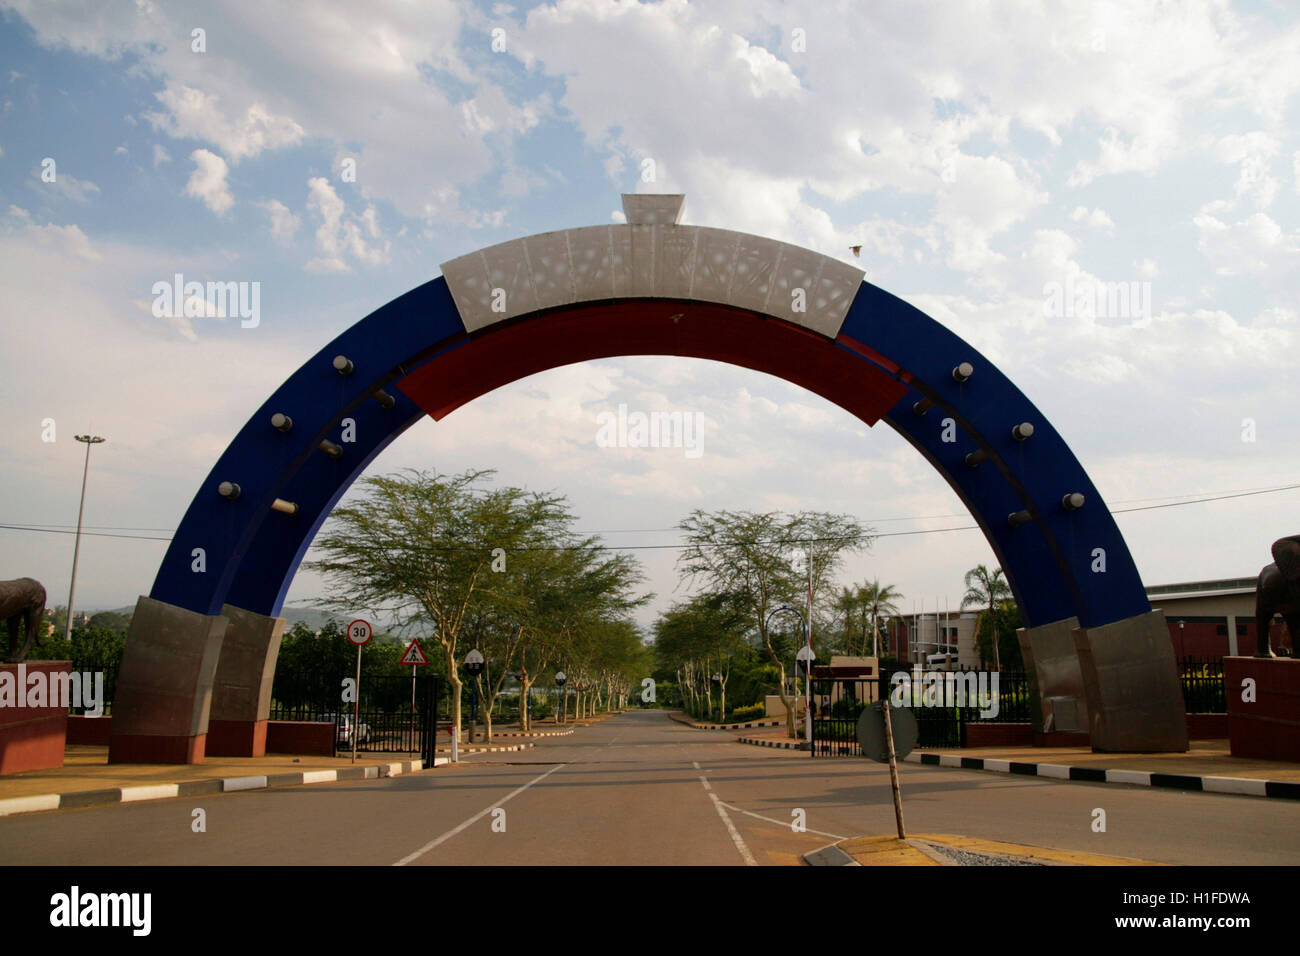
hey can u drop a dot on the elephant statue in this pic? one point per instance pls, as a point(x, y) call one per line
point(1278, 591)
point(21, 599)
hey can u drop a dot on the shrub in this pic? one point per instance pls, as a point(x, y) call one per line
point(846, 709)
point(752, 712)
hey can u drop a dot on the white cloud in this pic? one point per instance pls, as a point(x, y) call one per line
point(65, 185)
point(1256, 245)
point(341, 234)
point(284, 224)
point(1096, 218)
point(208, 181)
point(160, 155)
point(193, 114)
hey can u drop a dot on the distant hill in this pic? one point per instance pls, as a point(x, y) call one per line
point(313, 617)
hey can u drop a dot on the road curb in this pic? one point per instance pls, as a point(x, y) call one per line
point(778, 744)
point(1242, 786)
point(683, 719)
point(492, 749)
point(78, 799)
point(532, 733)
point(829, 856)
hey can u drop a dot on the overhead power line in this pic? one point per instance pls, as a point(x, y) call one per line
point(54, 529)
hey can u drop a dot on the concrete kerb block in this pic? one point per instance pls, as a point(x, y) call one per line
point(1135, 699)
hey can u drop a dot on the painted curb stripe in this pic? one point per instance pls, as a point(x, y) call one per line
point(1175, 781)
point(161, 791)
point(89, 798)
point(1088, 774)
point(195, 788)
point(44, 801)
point(191, 788)
point(1243, 785)
point(1140, 777)
point(1287, 791)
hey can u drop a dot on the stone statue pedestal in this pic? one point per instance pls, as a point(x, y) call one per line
point(32, 737)
point(1267, 728)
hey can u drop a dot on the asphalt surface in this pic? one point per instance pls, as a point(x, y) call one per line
point(642, 789)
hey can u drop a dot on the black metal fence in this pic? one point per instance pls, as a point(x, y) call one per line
point(397, 715)
point(108, 675)
point(944, 703)
point(1203, 689)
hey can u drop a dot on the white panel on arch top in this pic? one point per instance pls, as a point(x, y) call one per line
point(651, 261)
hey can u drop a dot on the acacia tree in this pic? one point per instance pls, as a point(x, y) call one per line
point(420, 548)
point(745, 557)
point(702, 636)
point(987, 589)
point(570, 587)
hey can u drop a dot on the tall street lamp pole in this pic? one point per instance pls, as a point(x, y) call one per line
point(87, 440)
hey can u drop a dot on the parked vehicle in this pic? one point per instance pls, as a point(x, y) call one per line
point(941, 662)
point(343, 730)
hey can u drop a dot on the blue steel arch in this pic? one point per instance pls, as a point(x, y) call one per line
point(251, 552)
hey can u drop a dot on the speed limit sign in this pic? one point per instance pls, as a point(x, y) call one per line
point(360, 632)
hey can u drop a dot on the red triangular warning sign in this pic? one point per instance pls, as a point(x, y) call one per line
point(414, 656)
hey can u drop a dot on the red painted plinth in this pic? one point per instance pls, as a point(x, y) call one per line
point(148, 748)
point(1269, 727)
point(237, 738)
point(979, 734)
point(306, 737)
point(94, 731)
point(1061, 738)
point(31, 738)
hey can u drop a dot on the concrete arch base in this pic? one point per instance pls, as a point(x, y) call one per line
point(1118, 683)
point(192, 684)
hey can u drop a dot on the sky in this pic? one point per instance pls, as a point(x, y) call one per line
point(991, 160)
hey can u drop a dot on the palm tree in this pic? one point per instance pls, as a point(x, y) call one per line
point(877, 602)
point(987, 589)
point(846, 603)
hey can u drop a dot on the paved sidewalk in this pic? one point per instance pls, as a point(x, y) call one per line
point(1205, 758)
point(88, 779)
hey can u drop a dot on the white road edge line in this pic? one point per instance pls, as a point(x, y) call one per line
point(758, 816)
point(731, 827)
point(474, 819)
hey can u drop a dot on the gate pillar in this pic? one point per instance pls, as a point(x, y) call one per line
point(241, 691)
point(1135, 699)
point(164, 685)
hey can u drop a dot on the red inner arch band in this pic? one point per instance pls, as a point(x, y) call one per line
point(503, 355)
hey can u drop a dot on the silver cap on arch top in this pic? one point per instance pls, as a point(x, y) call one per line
point(653, 209)
point(652, 256)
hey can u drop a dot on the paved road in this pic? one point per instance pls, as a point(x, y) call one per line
point(641, 789)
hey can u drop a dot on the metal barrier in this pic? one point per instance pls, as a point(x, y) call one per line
point(397, 715)
point(940, 703)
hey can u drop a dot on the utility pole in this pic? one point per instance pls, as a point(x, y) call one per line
point(87, 440)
